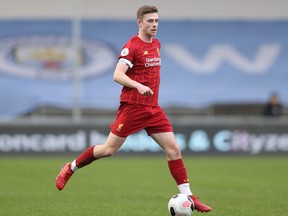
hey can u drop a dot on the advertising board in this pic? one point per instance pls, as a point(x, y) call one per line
point(223, 139)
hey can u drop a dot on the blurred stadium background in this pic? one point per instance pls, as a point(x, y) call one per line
point(221, 61)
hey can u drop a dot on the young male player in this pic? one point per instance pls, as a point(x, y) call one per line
point(138, 71)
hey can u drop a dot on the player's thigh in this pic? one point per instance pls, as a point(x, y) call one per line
point(112, 144)
point(168, 143)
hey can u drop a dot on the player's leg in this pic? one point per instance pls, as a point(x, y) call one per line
point(112, 144)
point(160, 129)
point(176, 166)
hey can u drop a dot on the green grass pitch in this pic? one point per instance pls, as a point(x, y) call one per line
point(142, 186)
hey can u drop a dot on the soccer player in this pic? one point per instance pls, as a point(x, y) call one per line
point(138, 71)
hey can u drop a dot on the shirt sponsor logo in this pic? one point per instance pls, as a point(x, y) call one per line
point(153, 62)
point(53, 57)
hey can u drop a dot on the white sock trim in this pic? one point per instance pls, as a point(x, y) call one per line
point(73, 166)
point(185, 189)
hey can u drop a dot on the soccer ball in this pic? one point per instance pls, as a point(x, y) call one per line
point(180, 205)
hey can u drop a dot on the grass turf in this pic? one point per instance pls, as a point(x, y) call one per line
point(141, 186)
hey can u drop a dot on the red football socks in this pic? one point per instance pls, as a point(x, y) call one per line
point(85, 158)
point(178, 171)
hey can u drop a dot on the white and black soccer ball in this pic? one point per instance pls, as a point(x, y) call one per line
point(180, 205)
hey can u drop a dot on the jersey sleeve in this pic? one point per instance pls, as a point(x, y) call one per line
point(127, 54)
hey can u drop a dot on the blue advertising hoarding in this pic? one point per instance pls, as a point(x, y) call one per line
point(203, 62)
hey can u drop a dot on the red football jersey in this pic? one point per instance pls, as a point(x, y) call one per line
point(144, 64)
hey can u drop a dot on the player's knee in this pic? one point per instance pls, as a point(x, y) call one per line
point(173, 153)
point(109, 152)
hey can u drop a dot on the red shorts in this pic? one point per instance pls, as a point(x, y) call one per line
point(132, 118)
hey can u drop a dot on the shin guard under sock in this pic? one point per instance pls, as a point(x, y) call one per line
point(85, 158)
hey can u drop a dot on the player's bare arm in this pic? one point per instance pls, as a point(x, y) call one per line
point(121, 78)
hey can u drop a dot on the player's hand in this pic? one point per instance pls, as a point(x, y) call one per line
point(144, 90)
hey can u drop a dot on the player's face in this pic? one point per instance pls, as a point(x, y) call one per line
point(149, 24)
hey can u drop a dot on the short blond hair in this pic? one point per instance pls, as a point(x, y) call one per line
point(145, 9)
